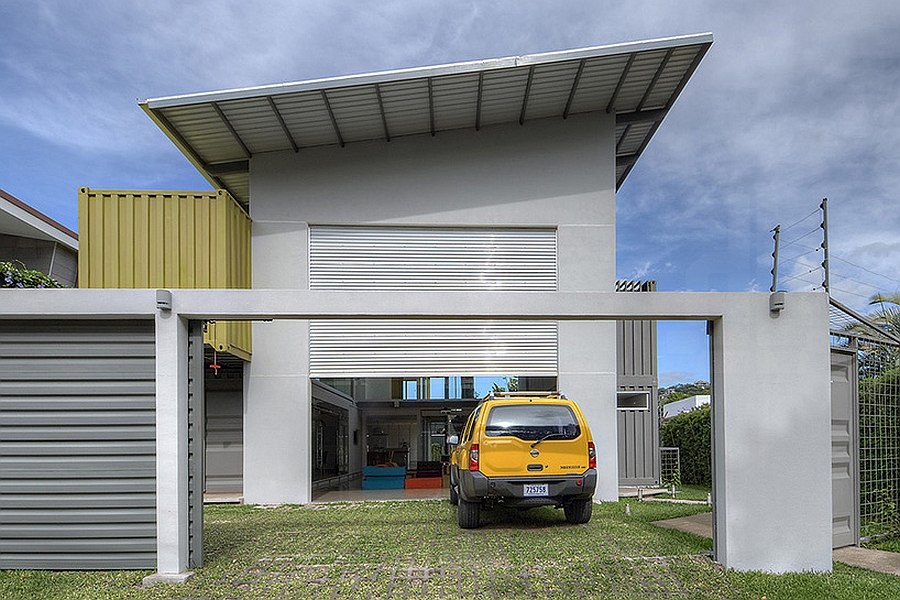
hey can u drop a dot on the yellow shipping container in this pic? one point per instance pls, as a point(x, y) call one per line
point(144, 239)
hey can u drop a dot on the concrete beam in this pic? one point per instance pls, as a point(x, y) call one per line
point(561, 306)
point(262, 304)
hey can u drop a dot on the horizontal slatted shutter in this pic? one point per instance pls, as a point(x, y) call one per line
point(420, 258)
point(433, 259)
point(77, 445)
point(400, 348)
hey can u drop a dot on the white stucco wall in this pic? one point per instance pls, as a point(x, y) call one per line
point(557, 173)
point(771, 407)
point(771, 414)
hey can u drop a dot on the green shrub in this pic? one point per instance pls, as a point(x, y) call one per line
point(12, 276)
point(691, 433)
point(879, 455)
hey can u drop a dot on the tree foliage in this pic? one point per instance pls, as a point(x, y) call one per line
point(691, 433)
point(13, 276)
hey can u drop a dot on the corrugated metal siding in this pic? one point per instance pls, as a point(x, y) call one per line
point(423, 258)
point(400, 348)
point(77, 445)
point(140, 239)
point(638, 430)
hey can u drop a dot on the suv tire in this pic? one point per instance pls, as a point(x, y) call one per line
point(468, 514)
point(454, 495)
point(579, 511)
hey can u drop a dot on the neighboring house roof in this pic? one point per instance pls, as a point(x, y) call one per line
point(220, 131)
point(684, 405)
point(22, 220)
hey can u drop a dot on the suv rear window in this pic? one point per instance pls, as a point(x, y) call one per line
point(533, 422)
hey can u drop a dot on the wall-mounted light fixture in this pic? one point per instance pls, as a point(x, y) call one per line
point(776, 302)
point(163, 300)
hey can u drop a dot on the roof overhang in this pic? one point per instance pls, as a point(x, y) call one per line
point(221, 131)
point(19, 219)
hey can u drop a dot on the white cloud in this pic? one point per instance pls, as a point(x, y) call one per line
point(795, 101)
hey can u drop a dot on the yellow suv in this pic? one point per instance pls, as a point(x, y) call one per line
point(523, 449)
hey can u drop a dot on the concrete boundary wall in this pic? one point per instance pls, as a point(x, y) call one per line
point(772, 415)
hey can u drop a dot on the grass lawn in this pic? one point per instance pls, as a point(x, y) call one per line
point(415, 550)
point(888, 544)
point(688, 492)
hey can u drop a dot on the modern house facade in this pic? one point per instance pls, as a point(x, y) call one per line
point(495, 176)
point(471, 210)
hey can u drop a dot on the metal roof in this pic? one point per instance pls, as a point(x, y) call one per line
point(19, 219)
point(221, 131)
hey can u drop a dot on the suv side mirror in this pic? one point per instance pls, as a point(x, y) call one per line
point(453, 440)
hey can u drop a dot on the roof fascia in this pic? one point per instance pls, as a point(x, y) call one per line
point(38, 221)
point(345, 81)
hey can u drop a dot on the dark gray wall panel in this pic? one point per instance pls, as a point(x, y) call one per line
point(638, 430)
point(844, 444)
point(224, 435)
point(77, 445)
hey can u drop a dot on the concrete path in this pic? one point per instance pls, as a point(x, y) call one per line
point(869, 558)
point(864, 558)
point(700, 525)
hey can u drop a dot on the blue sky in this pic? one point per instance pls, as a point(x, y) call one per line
point(795, 101)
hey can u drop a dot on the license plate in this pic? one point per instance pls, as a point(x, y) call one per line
point(531, 489)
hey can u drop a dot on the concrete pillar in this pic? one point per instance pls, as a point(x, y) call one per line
point(587, 349)
point(587, 374)
point(772, 435)
point(171, 445)
point(277, 415)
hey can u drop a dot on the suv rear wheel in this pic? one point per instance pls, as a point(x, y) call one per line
point(579, 511)
point(468, 514)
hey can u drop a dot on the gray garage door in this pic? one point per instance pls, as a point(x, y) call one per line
point(77, 445)
point(224, 435)
point(844, 427)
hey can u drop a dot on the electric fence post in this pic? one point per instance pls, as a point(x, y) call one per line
point(826, 283)
point(777, 238)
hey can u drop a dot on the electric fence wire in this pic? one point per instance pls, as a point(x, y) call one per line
point(809, 250)
point(795, 240)
point(857, 281)
point(813, 270)
point(843, 260)
point(795, 223)
point(849, 292)
point(794, 258)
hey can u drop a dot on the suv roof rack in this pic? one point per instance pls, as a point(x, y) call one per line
point(495, 394)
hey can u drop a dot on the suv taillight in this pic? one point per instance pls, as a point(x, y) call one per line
point(592, 456)
point(473, 457)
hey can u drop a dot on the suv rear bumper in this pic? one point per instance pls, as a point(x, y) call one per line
point(475, 486)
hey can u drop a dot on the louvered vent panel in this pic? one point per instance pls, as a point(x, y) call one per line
point(413, 258)
point(416, 348)
point(434, 259)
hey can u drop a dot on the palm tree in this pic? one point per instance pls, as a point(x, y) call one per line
point(880, 358)
point(888, 315)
